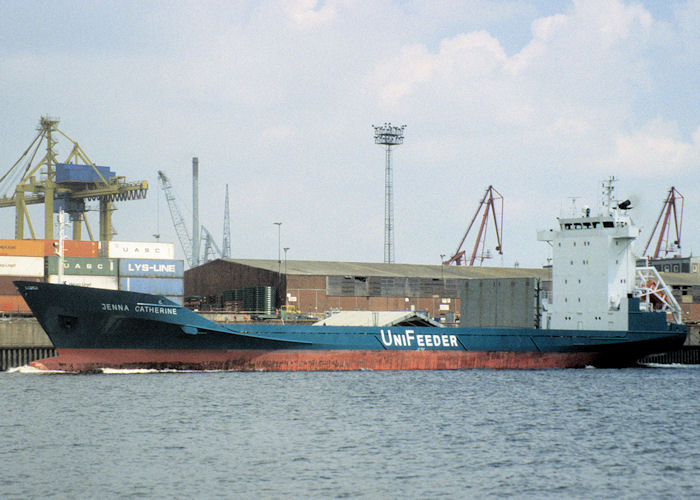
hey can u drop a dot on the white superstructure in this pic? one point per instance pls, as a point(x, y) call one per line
point(593, 268)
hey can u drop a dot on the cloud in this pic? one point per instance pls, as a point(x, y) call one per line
point(308, 14)
point(656, 149)
point(277, 99)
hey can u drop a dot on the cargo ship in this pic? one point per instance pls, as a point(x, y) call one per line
point(605, 312)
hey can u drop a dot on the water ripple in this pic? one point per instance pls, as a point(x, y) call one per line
point(526, 434)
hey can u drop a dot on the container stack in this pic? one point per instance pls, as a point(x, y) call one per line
point(25, 260)
point(115, 265)
point(93, 272)
point(232, 300)
point(149, 268)
point(265, 298)
point(258, 299)
point(161, 277)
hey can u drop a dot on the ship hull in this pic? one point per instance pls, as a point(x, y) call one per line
point(94, 329)
point(90, 360)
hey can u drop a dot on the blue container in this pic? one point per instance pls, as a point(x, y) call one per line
point(158, 286)
point(151, 268)
point(178, 299)
point(67, 172)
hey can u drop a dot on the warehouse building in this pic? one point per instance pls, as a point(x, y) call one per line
point(672, 264)
point(315, 287)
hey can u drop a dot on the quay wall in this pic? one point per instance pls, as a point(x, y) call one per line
point(22, 340)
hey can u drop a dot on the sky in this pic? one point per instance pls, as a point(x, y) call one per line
point(541, 99)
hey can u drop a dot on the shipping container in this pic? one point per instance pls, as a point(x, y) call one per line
point(25, 248)
point(86, 266)
point(157, 286)
point(150, 268)
point(13, 304)
point(107, 282)
point(7, 287)
point(137, 250)
point(178, 299)
point(72, 248)
point(22, 266)
point(45, 248)
point(68, 172)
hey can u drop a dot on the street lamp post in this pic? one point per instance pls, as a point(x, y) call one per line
point(286, 295)
point(442, 267)
point(279, 247)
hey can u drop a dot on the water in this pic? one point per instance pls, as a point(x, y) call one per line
point(629, 433)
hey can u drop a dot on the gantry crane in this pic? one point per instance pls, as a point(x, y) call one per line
point(491, 203)
point(211, 249)
point(64, 185)
point(669, 207)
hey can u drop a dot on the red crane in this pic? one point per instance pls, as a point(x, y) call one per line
point(491, 201)
point(667, 209)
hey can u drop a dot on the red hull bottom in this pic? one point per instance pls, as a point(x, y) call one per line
point(88, 360)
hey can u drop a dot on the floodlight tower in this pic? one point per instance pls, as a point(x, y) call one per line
point(388, 135)
point(226, 252)
point(195, 212)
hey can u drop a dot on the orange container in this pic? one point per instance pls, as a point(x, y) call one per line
point(13, 304)
point(7, 286)
point(72, 248)
point(22, 248)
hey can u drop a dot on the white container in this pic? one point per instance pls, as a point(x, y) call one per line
point(22, 266)
point(140, 250)
point(106, 282)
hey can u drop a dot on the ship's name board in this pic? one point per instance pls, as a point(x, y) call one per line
point(409, 338)
point(140, 308)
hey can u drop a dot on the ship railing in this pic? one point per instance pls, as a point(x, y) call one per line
point(654, 293)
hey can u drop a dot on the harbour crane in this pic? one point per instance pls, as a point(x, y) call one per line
point(67, 186)
point(671, 209)
point(180, 228)
point(491, 203)
point(211, 249)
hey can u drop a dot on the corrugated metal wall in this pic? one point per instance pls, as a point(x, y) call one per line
point(505, 303)
point(211, 279)
point(375, 286)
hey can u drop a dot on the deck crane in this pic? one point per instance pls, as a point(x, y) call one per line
point(211, 249)
point(491, 203)
point(669, 207)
